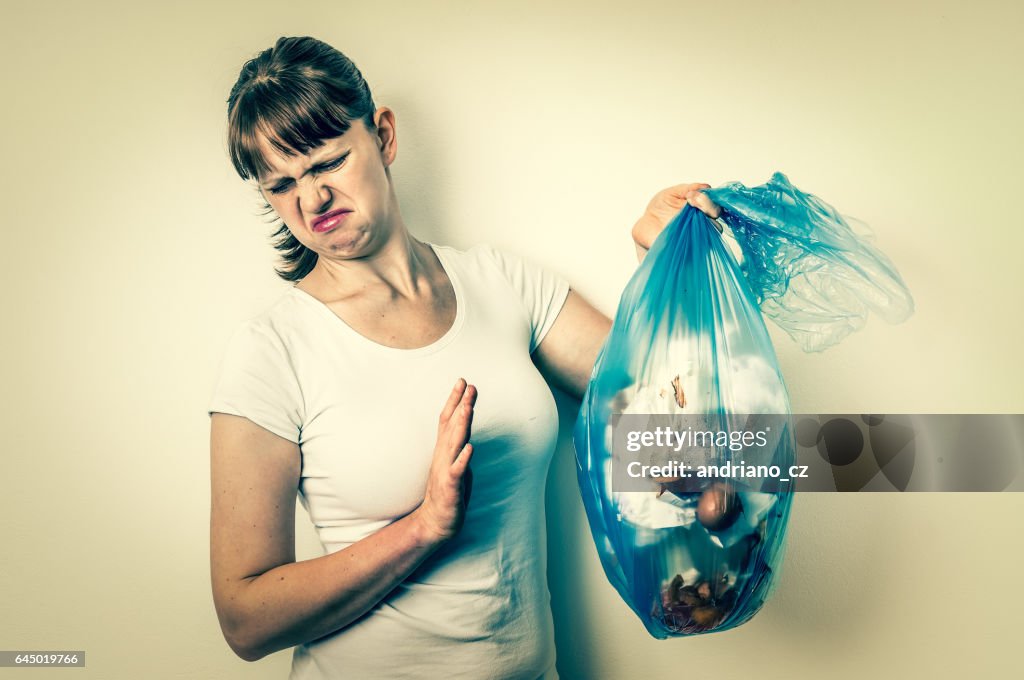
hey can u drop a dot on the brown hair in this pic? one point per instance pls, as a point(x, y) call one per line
point(296, 95)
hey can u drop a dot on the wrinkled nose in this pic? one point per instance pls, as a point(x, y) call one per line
point(314, 198)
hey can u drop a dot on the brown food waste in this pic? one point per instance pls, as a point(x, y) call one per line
point(677, 385)
point(696, 608)
point(718, 507)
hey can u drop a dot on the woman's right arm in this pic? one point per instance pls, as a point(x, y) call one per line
point(265, 600)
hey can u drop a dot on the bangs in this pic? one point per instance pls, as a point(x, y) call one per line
point(292, 115)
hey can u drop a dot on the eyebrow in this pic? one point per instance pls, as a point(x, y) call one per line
point(275, 179)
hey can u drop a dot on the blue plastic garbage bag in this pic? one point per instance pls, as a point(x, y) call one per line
point(689, 339)
point(686, 325)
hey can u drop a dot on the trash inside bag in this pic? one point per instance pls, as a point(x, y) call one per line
point(687, 339)
point(814, 272)
point(699, 555)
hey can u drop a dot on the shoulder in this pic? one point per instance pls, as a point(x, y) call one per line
point(476, 253)
point(521, 273)
point(489, 258)
point(274, 328)
point(480, 263)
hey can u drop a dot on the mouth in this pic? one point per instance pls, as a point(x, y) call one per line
point(327, 222)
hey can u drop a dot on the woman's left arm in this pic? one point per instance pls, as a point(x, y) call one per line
point(567, 355)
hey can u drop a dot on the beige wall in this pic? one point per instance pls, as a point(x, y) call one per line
point(133, 251)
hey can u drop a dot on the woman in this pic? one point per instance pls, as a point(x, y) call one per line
point(335, 392)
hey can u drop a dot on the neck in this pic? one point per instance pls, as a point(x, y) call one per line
point(401, 266)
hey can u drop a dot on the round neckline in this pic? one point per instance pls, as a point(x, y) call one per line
point(440, 343)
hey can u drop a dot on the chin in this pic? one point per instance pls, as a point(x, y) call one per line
point(348, 242)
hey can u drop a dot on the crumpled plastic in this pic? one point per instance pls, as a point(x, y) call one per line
point(814, 272)
point(689, 338)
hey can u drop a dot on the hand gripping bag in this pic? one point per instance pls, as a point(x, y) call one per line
point(702, 555)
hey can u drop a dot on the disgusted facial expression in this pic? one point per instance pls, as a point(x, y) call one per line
point(336, 199)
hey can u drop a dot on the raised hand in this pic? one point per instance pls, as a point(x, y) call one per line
point(450, 480)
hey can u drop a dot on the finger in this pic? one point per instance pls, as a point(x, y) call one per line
point(696, 190)
point(707, 205)
point(461, 425)
point(700, 200)
point(469, 400)
point(681, 190)
point(461, 462)
point(453, 400)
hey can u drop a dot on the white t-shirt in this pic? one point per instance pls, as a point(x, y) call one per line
point(365, 418)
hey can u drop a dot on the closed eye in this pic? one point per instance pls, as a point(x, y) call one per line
point(331, 165)
point(323, 167)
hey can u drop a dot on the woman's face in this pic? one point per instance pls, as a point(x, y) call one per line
point(336, 200)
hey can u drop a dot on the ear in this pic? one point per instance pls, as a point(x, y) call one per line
point(384, 119)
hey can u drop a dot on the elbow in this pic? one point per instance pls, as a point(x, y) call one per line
point(245, 647)
point(248, 655)
point(240, 628)
point(243, 639)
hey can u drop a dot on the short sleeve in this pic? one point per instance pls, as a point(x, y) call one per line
point(542, 292)
point(257, 381)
